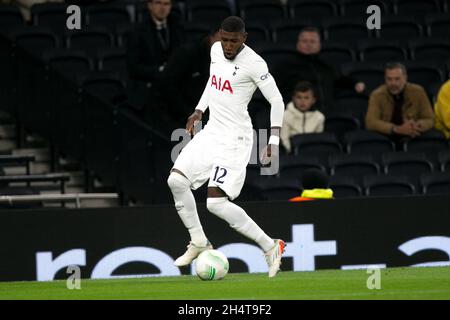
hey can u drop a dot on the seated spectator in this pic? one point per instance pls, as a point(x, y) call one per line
point(300, 116)
point(315, 185)
point(149, 48)
point(307, 65)
point(185, 76)
point(442, 110)
point(399, 109)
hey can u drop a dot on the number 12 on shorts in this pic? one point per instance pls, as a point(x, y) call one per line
point(219, 174)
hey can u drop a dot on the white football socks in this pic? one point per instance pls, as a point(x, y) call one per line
point(238, 219)
point(186, 207)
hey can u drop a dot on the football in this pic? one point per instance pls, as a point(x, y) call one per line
point(211, 265)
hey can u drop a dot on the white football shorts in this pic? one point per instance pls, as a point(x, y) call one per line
point(222, 160)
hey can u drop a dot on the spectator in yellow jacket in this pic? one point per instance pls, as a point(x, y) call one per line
point(442, 110)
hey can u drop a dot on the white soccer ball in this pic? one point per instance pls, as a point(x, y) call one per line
point(211, 265)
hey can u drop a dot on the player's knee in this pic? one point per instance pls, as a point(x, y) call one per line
point(177, 183)
point(216, 205)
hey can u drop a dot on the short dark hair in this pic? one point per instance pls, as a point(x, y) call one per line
point(309, 29)
point(304, 86)
point(396, 65)
point(314, 179)
point(233, 24)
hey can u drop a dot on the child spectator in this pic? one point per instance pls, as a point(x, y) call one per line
point(300, 116)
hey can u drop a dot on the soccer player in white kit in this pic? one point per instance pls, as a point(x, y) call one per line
point(221, 151)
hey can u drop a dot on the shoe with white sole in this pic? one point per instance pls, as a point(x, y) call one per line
point(191, 253)
point(273, 257)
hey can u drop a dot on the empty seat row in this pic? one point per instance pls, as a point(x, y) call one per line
point(369, 185)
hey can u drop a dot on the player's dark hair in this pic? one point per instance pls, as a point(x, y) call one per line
point(314, 179)
point(396, 65)
point(304, 86)
point(233, 24)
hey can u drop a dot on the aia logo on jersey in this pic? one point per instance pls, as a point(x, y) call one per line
point(225, 86)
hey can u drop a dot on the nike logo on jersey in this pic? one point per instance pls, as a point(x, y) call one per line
point(221, 85)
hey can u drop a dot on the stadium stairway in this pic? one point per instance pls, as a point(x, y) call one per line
point(39, 148)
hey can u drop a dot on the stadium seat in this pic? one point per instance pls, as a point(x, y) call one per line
point(257, 33)
point(287, 31)
point(275, 54)
point(444, 160)
point(395, 28)
point(293, 166)
point(277, 188)
point(355, 165)
point(345, 29)
point(109, 86)
point(340, 123)
point(368, 142)
point(435, 183)
point(430, 143)
point(320, 145)
point(316, 9)
point(381, 51)
point(408, 164)
point(68, 62)
point(437, 25)
point(424, 73)
point(388, 185)
point(112, 59)
point(355, 105)
point(122, 34)
point(337, 53)
point(108, 15)
point(207, 10)
point(10, 17)
point(51, 15)
point(35, 39)
point(194, 31)
point(344, 187)
point(90, 39)
point(430, 49)
point(372, 74)
point(265, 10)
point(353, 8)
point(409, 7)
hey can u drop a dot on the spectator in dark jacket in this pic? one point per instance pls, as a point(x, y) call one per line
point(185, 76)
point(308, 66)
point(149, 48)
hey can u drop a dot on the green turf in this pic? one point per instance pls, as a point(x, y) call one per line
point(396, 283)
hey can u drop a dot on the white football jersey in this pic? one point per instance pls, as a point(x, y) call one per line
point(230, 88)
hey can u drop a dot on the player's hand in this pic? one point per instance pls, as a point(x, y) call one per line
point(266, 154)
point(192, 121)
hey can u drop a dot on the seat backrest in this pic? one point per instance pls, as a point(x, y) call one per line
point(408, 7)
point(388, 185)
point(437, 183)
point(266, 10)
point(316, 9)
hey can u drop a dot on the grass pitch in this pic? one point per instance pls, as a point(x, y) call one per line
point(396, 283)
